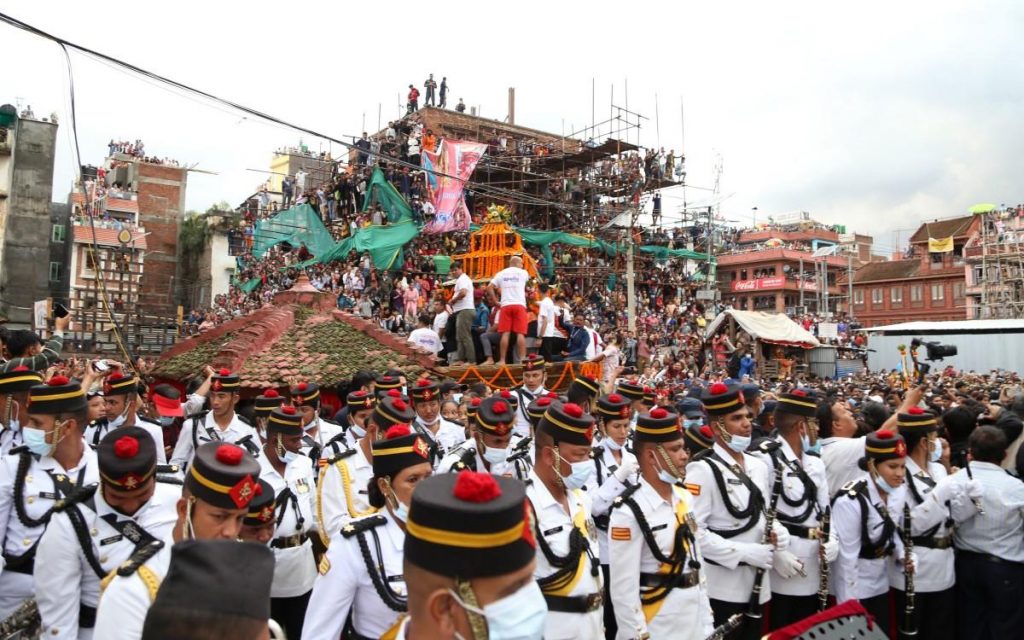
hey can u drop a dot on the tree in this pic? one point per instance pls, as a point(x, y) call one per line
point(192, 239)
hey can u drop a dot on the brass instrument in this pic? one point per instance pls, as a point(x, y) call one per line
point(909, 626)
point(727, 627)
point(754, 606)
point(823, 568)
point(23, 624)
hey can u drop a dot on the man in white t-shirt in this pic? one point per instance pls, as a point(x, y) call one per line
point(424, 336)
point(464, 311)
point(546, 323)
point(510, 286)
point(440, 326)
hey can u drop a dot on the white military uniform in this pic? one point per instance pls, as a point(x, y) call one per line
point(932, 518)
point(65, 578)
point(38, 495)
point(554, 525)
point(205, 429)
point(853, 576)
point(685, 612)
point(728, 579)
point(603, 488)
point(345, 583)
point(444, 435)
point(94, 432)
point(126, 600)
point(526, 396)
point(10, 436)
point(465, 456)
point(294, 566)
point(341, 492)
point(325, 433)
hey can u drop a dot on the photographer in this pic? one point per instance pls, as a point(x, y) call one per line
point(27, 350)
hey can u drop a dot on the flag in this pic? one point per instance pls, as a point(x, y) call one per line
point(447, 172)
point(940, 245)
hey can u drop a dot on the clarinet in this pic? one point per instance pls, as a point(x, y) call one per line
point(727, 627)
point(976, 501)
point(754, 606)
point(823, 570)
point(909, 627)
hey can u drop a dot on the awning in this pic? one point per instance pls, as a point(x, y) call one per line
point(774, 328)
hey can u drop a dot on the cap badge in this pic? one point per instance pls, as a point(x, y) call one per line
point(421, 448)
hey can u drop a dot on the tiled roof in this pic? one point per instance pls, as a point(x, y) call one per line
point(890, 270)
point(956, 227)
point(106, 237)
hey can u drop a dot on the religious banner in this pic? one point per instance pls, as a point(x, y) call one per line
point(940, 245)
point(447, 171)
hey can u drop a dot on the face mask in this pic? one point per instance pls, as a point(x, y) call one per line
point(117, 422)
point(696, 422)
point(15, 424)
point(310, 426)
point(400, 511)
point(578, 476)
point(35, 440)
point(519, 616)
point(359, 431)
point(884, 486)
point(494, 455)
point(936, 453)
point(739, 444)
point(611, 444)
point(805, 444)
point(166, 421)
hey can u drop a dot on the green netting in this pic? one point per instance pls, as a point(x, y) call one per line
point(298, 225)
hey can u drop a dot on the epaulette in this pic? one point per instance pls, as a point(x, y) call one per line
point(622, 497)
point(170, 480)
point(244, 420)
point(854, 487)
point(700, 455)
point(198, 416)
point(139, 557)
point(81, 494)
point(148, 420)
point(250, 446)
point(19, 450)
point(362, 524)
point(341, 456)
point(764, 445)
point(815, 454)
point(167, 468)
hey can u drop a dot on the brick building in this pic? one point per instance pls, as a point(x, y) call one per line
point(922, 286)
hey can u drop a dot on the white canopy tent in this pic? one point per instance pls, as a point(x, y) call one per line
point(774, 328)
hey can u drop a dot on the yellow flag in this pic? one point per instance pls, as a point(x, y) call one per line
point(940, 245)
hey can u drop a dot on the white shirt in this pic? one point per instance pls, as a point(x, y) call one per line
point(445, 435)
point(463, 283)
point(853, 576)
point(440, 323)
point(728, 580)
point(526, 396)
point(154, 430)
point(426, 338)
point(294, 567)
point(64, 578)
point(840, 456)
point(347, 586)
point(934, 570)
point(685, 614)
point(555, 525)
point(339, 501)
point(126, 600)
point(1000, 531)
point(549, 311)
point(602, 497)
point(594, 344)
point(201, 430)
point(511, 282)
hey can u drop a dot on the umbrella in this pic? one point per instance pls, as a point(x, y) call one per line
point(983, 208)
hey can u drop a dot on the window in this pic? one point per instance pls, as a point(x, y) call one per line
point(979, 275)
point(916, 293)
point(58, 233)
point(938, 292)
point(858, 296)
point(896, 294)
point(55, 270)
point(877, 296)
point(959, 289)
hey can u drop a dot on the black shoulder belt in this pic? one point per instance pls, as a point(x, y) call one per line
point(81, 530)
point(870, 549)
point(362, 524)
point(565, 566)
point(752, 512)
point(378, 576)
point(467, 460)
point(285, 498)
point(920, 498)
point(810, 495)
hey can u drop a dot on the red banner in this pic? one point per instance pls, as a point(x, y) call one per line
point(773, 282)
point(447, 173)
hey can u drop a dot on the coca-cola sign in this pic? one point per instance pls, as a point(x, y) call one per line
point(774, 282)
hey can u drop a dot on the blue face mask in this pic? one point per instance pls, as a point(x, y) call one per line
point(805, 444)
point(739, 444)
point(611, 444)
point(884, 486)
point(401, 512)
point(288, 457)
point(519, 616)
point(578, 476)
point(695, 422)
point(494, 455)
point(356, 429)
point(936, 451)
point(35, 440)
point(166, 421)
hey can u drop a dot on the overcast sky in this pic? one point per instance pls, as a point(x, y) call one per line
point(876, 114)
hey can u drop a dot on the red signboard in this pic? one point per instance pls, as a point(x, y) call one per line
point(760, 284)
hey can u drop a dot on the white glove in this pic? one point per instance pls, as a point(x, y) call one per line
point(943, 491)
point(627, 469)
point(756, 555)
point(782, 536)
point(831, 548)
point(787, 564)
point(975, 490)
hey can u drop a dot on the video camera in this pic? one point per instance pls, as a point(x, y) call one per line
point(934, 350)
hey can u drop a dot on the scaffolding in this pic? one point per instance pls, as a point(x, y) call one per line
point(1001, 278)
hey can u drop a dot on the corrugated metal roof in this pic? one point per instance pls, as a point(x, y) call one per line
point(953, 326)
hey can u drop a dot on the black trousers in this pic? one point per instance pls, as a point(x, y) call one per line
point(785, 610)
point(289, 613)
point(878, 607)
point(551, 348)
point(750, 629)
point(934, 613)
point(610, 627)
point(990, 594)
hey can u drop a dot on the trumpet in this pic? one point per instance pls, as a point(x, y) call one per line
point(909, 625)
point(823, 568)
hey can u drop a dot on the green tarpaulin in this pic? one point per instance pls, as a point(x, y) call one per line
point(442, 264)
point(380, 191)
point(250, 285)
point(298, 225)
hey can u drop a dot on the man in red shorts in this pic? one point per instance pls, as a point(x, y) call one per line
point(510, 285)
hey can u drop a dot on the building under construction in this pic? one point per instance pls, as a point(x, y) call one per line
point(995, 266)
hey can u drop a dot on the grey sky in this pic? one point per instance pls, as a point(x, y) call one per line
point(876, 115)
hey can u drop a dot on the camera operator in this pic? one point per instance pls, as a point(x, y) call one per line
point(26, 349)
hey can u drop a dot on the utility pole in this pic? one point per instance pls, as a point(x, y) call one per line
point(849, 285)
point(800, 281)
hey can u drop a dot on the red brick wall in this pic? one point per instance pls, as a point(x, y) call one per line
point(161, 208)
point(889, 312)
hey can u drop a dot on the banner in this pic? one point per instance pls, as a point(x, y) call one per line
point(447, 172)
point(771, 282)
point(940, 245)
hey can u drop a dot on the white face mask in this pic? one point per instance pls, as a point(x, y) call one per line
point(494, 455)
point(611, 444)
point(936, 451)
point(739, 444)
point(519, 616)
point(357, 430)
point(579, 474)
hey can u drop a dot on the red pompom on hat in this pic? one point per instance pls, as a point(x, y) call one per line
point(126, 447)
point(705, 431)
point(117, 375)
point(799, 392)
point(224, 372)
point(658, 413)
point(229, 454)
point(884, 434)
point(400, 405)
point(397, 431)
point(572, 409)
point(423, 382)
point(647, 389)
point(58, 381)
point(471, 486)
point(387, 379)
point(719, 388)
point(500, 407)
point(475, 402)
point(302, 386)
point(615, 398)
point(394, 393)
point(20, 368)
point(505, 393)
point(271, 393)
point(359, 394)
point(551, 394)
point(543, 402)
point(288, 409)
point(915, 411)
